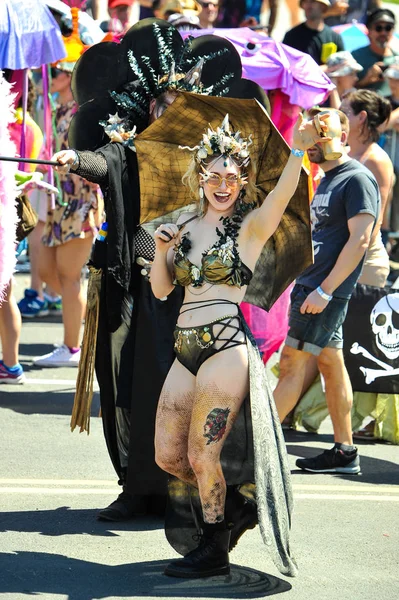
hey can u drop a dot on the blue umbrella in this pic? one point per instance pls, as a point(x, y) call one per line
point(354, 35)
point(29, 35)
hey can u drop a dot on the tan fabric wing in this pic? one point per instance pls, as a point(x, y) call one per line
point(162, 164)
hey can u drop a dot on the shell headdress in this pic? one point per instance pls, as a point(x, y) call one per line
point(222, 142)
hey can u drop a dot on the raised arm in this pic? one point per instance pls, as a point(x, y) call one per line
point(90, 165)
point(264, 221)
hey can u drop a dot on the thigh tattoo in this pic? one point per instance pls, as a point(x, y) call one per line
point(215, 425)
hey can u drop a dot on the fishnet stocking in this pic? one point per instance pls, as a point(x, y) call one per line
point(171, 436)
point(190, 433)
point(213, 416)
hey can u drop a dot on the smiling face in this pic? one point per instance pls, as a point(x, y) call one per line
point(209, 12)
point(221, 184)
point(380, 35)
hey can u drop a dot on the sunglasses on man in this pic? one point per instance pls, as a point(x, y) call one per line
point(208, 4)
point(387, 28)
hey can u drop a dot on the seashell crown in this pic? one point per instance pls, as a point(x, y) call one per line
point(222, 142)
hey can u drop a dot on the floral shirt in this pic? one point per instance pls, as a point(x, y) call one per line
point(78, 209)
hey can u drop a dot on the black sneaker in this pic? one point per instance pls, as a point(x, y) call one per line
point(332, 461)
point(125, 507)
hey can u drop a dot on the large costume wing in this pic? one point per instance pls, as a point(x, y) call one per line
point(162, 163)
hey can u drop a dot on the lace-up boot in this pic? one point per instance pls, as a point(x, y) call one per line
point(210, 558)
point(240, 515)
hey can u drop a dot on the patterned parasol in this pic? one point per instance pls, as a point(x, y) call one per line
point(162, 164)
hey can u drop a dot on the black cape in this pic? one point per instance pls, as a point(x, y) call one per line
point(147, 352)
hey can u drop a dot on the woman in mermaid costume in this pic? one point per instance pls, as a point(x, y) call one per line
point(212, 253)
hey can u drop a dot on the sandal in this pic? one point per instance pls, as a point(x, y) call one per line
point(367, 433)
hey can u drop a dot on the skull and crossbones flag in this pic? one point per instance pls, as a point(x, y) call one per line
point(371, 340)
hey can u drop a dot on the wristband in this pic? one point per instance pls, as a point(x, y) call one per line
point(297, 152)
point(76, 162)
point(323, 294)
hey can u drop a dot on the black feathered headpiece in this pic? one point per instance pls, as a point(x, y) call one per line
point(152, 58)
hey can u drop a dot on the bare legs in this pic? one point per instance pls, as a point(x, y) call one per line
point(195, 415)
point(291, 380)
point(338, 393)
point(330, 362)
point(61, 268)
point(35, 242)
point(10, 328)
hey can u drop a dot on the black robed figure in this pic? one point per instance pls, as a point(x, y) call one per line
point(130, 330)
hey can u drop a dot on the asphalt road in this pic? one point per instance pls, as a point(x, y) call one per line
point(52, 482)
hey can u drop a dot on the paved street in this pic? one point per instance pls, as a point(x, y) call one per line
point(345, 529)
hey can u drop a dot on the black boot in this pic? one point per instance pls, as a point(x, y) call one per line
point(125, 507)
point(240, 515)
point(210, 558)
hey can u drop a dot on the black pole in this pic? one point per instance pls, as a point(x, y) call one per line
point(36, 161)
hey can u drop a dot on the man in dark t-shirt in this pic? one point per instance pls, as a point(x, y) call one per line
point(313, 36)
point(379, 54)
point(343, 213)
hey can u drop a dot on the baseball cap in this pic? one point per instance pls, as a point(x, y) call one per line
point(182, 21)
point(380, 14)
point(325, 2)
point(342, 63)
point(115, 3)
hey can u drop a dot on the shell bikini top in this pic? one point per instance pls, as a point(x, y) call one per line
point(220, 265)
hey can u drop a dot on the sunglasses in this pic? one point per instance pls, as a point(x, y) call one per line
point(208, 4)
point(214, 180)
point(54, 72)
point(387, 28)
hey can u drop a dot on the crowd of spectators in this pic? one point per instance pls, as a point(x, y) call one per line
point(311, 29)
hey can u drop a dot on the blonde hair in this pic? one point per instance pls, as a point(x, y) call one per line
point(191, 179)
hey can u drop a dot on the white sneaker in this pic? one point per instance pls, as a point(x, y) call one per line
point(61, 356)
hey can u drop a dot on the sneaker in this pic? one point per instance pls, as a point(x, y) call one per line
point(332, 461)
point(31, 306)
point(54, 304)
point(15, 375)
point(61, 356)
point(125, 507)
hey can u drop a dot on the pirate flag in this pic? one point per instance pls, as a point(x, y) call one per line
point(371, 340)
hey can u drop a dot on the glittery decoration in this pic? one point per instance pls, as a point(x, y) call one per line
point(222, 142)
point(178, 71)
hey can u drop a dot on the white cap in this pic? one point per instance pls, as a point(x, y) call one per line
point(342, 63)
